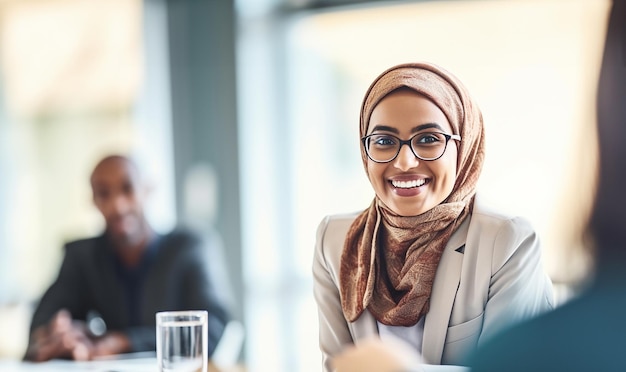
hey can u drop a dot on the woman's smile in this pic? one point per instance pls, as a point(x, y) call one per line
point(408, 187)
point(408, 184)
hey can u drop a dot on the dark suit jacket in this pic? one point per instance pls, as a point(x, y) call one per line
point(176, 279)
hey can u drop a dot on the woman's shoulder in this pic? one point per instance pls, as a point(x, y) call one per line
point(337, 222)
point(500, 234)
point(331, 235)
point(487, 214)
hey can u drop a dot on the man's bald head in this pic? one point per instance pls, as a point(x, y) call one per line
point(119, 194)
point(114, 161)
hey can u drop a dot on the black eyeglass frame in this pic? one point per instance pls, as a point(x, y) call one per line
point(402, 142)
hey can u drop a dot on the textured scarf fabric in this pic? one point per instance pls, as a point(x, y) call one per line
point(389, 261)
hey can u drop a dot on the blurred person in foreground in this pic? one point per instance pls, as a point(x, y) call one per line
point(589, 332)
point(427, 262)
point(110, 287)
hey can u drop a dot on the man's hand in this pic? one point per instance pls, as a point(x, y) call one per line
point(66, 338)
point(60, 338)
point(111, 343)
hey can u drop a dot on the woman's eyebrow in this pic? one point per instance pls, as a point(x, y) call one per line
point(416, 129)
point(426, 126)
point(385, 128)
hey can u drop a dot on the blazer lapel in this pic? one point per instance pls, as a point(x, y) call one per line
point(442, 296)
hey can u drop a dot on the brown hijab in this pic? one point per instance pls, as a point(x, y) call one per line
point(389, 261)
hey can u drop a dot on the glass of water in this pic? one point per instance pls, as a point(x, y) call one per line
point(181, 341)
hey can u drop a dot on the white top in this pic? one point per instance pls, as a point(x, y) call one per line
point(412, 335)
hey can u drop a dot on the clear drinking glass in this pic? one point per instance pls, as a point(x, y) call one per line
point(182, 338)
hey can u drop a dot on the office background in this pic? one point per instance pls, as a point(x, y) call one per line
point(244, 115)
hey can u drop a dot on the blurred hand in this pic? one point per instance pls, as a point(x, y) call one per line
point(60, 338)
point(66, 338)
point(376, 355)
point(110, 343)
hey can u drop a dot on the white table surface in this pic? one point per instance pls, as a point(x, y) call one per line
point(140, 362)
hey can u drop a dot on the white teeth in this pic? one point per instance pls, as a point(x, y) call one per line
point(408, 184)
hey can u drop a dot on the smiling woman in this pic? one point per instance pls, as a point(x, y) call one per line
point(427, 262)
point(531, 65)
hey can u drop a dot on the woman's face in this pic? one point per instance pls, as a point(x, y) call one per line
point(407, 184)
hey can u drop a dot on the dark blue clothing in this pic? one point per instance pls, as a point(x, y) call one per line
point(174, 276)
point(586, 334)
point(132, 280)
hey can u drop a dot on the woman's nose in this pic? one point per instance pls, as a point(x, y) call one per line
point(406, 159)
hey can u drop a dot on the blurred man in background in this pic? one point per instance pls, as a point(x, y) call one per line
point(109, 287)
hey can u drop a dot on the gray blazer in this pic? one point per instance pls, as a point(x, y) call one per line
point(490, 276)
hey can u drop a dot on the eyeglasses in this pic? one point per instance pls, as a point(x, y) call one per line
point(428, 146)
